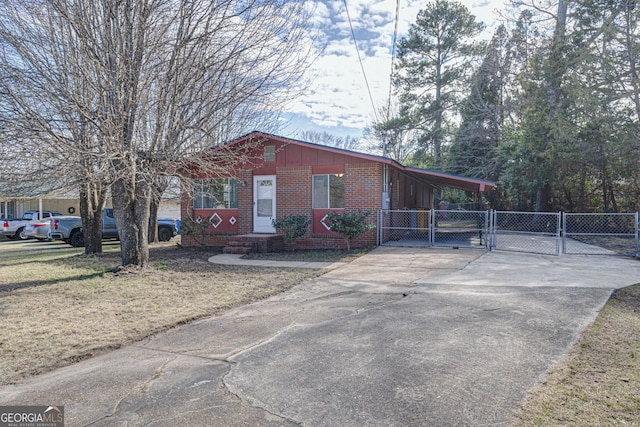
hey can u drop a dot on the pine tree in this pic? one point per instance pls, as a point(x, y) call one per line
point(434, 64)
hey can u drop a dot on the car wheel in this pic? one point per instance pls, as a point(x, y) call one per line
point(21, 234)
point(77, 240)
point(164, 234)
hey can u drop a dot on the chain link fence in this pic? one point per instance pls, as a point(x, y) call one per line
point(404, 227)
point(460, 229)
point(532, 232)
point(548, 233)
point(600, 233)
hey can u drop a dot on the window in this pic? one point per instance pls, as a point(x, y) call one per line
point(215, 193)
point(270, 153)
point(7, 210)
point(328, 191)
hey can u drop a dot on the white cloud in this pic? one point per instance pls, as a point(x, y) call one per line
point(338, 95)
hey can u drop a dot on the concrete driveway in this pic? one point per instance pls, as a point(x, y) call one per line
point(399, 337)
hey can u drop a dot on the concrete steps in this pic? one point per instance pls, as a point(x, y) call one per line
point(247, 243)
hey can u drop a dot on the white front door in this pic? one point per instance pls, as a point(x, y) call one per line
point(264, 203)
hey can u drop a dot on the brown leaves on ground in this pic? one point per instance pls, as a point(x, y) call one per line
point(75, 306)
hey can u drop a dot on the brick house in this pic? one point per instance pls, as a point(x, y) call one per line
point(288, 177)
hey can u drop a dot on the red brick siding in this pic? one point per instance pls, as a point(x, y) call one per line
point(363, 191)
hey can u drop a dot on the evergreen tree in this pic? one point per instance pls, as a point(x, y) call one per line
point(473, 151)
point(434, 64)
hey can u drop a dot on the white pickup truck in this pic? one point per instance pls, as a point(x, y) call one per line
point(14, 228)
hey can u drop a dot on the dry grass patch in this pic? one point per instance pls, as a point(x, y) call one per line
point(599, 384)
point(60, 306)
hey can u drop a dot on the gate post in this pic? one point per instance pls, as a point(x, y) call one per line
point(558, 234)
point(564, 232)
point(431, 226)
point(636, 255)
point(492, 228)
point(378, 214)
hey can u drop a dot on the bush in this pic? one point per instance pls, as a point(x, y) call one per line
point(349, 224)
point(195, 228)
point(292, 227)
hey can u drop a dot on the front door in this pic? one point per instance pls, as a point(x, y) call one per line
point(264, 203)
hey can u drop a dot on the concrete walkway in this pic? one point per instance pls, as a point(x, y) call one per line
point(398, 337)
point(231, 259)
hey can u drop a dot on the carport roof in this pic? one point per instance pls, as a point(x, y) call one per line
point(442, 179)
point(439, 179)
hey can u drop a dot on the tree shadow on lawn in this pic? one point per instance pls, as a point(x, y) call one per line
point(33, 284)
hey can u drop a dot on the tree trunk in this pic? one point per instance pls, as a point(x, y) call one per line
point(131, 205)
point(153, 221)
point(159, 186)
point(92, 200)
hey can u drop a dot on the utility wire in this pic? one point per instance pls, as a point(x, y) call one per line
point(393, 57)
point(353, 34)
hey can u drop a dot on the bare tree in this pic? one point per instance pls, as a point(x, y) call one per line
point(394, 136)
point(165, 79)
point(48, 108)
point(329, 139)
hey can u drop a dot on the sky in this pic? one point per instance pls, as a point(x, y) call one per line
point(337, 100)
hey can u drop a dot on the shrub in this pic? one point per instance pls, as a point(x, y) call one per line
point(195, 228)
point(349, 224)
point(292, 227)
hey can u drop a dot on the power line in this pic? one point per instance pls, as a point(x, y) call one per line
point(353, 34)
point(393, 57)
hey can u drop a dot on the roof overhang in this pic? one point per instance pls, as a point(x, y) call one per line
point(438, 179)
point(441, 179)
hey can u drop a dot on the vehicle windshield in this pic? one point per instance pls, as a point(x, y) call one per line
point(29, 216)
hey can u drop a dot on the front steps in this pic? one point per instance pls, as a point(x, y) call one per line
point(246, 243)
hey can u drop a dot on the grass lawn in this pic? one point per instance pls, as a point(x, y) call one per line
point(599, 383)
point(59, 306)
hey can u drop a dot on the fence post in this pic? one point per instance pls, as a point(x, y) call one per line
point(378, 213)
point(636, 234)
point(558, 233)
point(485, 230)
point(431, 226)
point(564, 232)
point(492, 229)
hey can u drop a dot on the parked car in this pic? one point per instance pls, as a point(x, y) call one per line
point(15, 228)
point(69, 228)
point(38, 229)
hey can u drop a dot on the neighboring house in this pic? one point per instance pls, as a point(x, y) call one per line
point(286, 176)
point(18, 198)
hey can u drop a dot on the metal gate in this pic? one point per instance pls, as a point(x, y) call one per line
point(600, 234)
point(532, 232)
point(549, 233)
point(443, 228)
point(404, 228)
point(460, 229)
